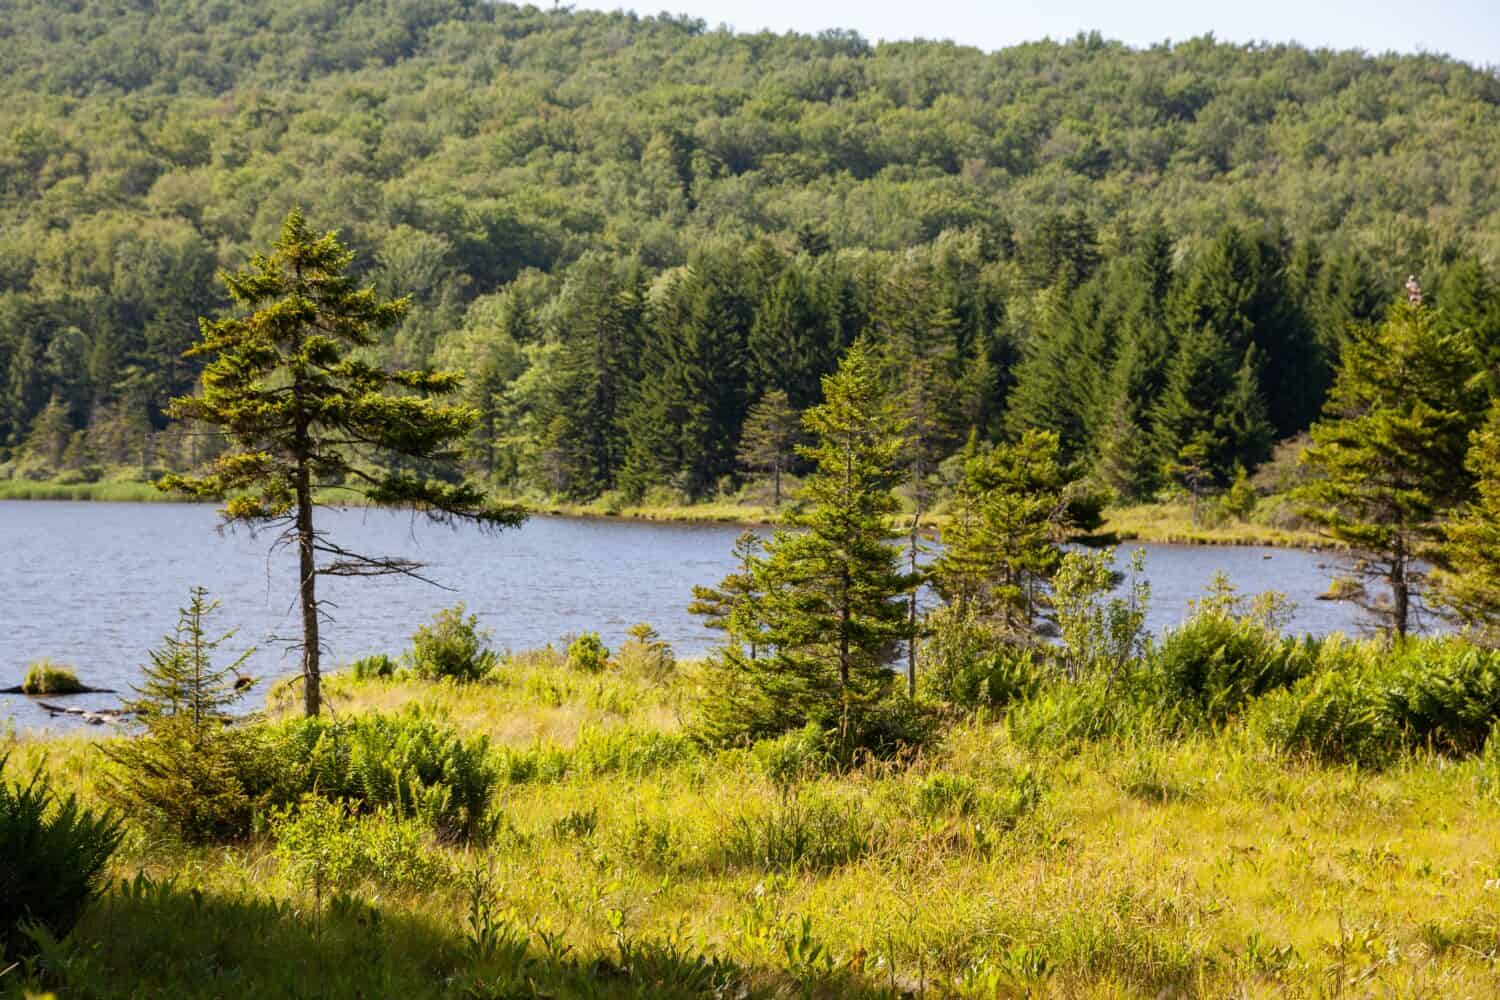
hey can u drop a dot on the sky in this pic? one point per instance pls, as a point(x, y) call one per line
point(1466, 29)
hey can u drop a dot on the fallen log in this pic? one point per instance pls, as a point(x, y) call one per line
point(94, 717)
point(81, 689)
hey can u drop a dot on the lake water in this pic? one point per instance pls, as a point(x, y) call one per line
point(95, 585)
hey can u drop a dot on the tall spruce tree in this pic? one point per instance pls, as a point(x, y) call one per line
point(1469, 579)
point(1389, 455)
point(833, 594)
point(306, 417)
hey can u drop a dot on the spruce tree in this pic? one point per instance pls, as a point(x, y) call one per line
point(1001, 548)
point(305, 417)
point(186, 770)
point(833, 593)
point(768, 439)
point(1469, 581)
point(734, 606)
point(1389, 455)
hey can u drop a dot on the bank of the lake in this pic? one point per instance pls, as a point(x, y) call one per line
point(1169, 523)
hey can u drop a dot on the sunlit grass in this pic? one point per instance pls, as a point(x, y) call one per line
point(1203, 866)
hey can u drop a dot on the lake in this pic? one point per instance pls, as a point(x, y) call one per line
point(95, 585)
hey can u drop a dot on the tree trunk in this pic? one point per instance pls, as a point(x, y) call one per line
point(911, 612)
point(777, 501)
point(312, 695)
point(1400, 596)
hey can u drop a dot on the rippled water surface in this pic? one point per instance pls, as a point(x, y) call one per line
point(95, 585)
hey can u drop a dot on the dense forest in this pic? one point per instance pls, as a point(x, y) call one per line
point(646, 241)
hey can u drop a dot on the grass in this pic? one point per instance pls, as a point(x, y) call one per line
point(630, 862)
point(45, 677)
point(1172, 524)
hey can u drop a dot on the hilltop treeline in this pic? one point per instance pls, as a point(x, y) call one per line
point(630, 230)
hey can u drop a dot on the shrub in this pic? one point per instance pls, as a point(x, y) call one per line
point(332, 845)
point(967, 665)
point(1334, 716)
point(1445, 694)
point(795, 757)
point(373, 667)
point(406, 763)
point(647, 656)
point(52, 859)
point(45, 677)
point(1212, 665)
point(452, 646)
point(588, 654)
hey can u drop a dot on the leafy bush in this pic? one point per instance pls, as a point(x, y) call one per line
point(964, 663)
point(46, 677)
point(452, 646)
point(332, 845)
point(588, 654)
point(52, 859)
point(1335, 716)
point(406, 763)
point(1213, 664)
point(1445, 694)
point(373, 667)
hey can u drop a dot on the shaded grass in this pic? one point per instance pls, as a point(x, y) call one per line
point(631, 862)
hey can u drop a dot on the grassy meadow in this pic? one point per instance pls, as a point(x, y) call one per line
point(624, 859)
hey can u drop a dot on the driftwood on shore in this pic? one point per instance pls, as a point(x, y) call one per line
point(81, 689)
point(94, 717)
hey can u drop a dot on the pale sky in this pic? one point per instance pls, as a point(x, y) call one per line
point(1466, 29)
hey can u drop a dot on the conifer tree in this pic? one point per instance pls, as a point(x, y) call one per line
point(1212, 400)
point(185, 770)
point(1469, 580)
point(833, 606)
point(1389, 454)
point(303, 414)
point(734, 606)
point(1001, 548)
point(768, 439)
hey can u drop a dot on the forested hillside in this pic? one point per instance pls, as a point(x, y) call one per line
point(631, 231)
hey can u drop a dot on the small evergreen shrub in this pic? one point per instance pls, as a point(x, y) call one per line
point(453, 647)
point(588, 654)
point(188, 772)
point(647, 656)
point(52, 859)
point(45, 677)
point(375, 667)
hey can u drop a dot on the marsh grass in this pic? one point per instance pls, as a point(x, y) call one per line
point(1024, 854)
point(45, 677)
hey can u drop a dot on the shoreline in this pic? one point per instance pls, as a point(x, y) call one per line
point(1155, 524)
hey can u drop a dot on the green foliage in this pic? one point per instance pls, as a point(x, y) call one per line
point(832, 601)
point(189, 772)
point(1101, 634)
point(1335, 715)
point(54, 855)
point(646, 655)
point(299, 407)
point(1469, 577)
point(377, 666)
point(969, 666)
point(1389, 454)
point(406, 763)
point(587, 654)
point(332, 845)
point(1226, 654)
point(452, 647)
point(802, 831)
point(46, 677)
point(1445, 695)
